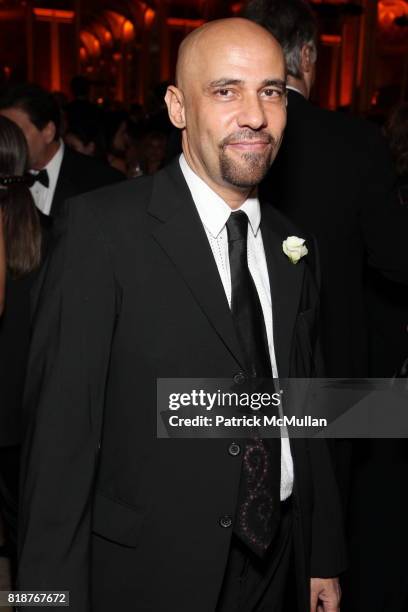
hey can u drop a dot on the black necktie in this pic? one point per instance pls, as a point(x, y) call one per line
point(259, 494)
point(42, 177)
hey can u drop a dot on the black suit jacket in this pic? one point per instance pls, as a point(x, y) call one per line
point(334, 177)
point(387, 306)
point(123, 519)
point(78, 174)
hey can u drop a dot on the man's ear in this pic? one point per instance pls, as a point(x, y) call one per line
point(49, 132)
point(308, 58)
point(175, 105)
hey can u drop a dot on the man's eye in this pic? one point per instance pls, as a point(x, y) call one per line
point(224, 93)
point(272, 93)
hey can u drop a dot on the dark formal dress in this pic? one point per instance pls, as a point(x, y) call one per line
point(77, 175)
point(334, 177)
point(122, 519)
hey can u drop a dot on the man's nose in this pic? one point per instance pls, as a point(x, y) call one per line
point(252, 113)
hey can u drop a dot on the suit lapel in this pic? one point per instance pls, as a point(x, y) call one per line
point(182, 236)
point(286, 281)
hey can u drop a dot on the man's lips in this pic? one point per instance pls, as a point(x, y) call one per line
point(249, 144)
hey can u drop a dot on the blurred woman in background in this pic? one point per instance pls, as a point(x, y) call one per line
point(20, 240)
point(20, 255)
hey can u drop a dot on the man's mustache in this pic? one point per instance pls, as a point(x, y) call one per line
point(247, 136)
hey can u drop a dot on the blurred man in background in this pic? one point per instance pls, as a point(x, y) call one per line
point(334, 177)
point(59, 172)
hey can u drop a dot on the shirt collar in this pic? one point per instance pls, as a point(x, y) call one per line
point(295, 89)
point(54, 165)
point(213, 210)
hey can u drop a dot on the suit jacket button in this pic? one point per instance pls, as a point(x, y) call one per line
point(239, 378)
point(234, 449)
point(226, 521)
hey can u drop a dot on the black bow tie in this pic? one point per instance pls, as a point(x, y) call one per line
point(42, 177)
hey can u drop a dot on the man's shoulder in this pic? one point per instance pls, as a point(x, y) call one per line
point(115, 215)
point(333, 140)
point(110, 210)
point(335, 123)
point(129, 197)
point(89, 171)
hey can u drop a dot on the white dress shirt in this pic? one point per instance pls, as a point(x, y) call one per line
point(42, 195)
point(214, 213)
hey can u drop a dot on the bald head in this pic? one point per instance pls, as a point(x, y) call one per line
point(230, 103)
point(211, 40)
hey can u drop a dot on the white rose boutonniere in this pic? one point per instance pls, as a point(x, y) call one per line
point(294, 248)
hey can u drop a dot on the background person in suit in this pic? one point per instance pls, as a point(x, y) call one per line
point(334, 176)
point(151, 288)
point(64, 173)
point(60, 172)
point(387, 302)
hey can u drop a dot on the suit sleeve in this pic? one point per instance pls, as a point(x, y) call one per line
point(328, 558)
point(63, 409)
point(383, 219)
point(328, 554)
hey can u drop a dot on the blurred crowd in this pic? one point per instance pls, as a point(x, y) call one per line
point(138, 142)
point(131, 140)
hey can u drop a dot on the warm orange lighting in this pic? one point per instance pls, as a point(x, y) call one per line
point(44, 14)
point(117, 56)
point(388, 11)
point(11, 14)
point(330, 1)
point(83, 54)
point(100, 101)
point(374, 98)
point(185, 23)
point(149, 17)
point(55, 57)
point(102, 33)
point(122, 28)
point(128, 31)
point(91, 43)
point(330, 39)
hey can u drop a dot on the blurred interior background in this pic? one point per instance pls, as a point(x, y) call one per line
point(127, 48)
